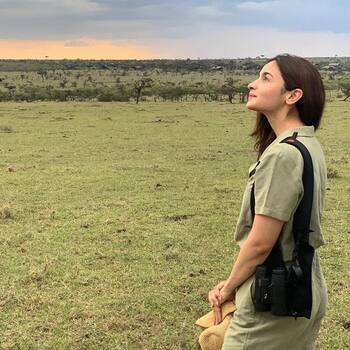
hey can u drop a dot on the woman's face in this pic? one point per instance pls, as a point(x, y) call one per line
point(267, 93)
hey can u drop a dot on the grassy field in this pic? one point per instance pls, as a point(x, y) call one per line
point(116, 219)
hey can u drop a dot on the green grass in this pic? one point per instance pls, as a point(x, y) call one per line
point(116, 219)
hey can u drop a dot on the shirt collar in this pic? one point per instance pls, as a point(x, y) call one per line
point(305, 131)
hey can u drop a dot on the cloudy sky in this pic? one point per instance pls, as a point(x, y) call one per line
point(173, 29)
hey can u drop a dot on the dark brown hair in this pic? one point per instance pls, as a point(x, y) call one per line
point(296, 72)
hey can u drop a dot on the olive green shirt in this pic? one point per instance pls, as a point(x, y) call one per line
point(279, 188)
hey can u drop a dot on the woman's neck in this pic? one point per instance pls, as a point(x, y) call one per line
point(281, 123)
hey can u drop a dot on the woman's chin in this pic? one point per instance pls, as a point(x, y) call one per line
point(251, 106)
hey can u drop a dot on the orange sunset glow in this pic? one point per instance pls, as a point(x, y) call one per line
point(84, 49)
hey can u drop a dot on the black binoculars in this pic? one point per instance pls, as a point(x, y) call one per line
point(271, 290)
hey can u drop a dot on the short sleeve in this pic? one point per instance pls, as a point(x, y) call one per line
point(278, 182)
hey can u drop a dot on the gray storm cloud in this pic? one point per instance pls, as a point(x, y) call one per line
point(66, 19)
point(193, 28)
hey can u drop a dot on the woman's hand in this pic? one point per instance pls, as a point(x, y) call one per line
point(214, 300)
point(214, 294)
point(217, 315)
point(217, 296)
point(226, 295)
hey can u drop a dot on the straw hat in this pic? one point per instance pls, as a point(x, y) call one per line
point(212, 337)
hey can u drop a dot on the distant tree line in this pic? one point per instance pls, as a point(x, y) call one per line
point(177, 65)
point(249, 64)
point(102, 80)
point(144, 89)
point(141, 89)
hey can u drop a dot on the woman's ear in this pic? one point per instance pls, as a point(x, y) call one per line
point(294, 96)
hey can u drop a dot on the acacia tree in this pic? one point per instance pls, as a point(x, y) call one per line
point(42, 73)
point(243, 93)
point(11, 89)
point(140, 85)
point(63, 83)
point(228, 88)
point(330, 86)
point(344, 85)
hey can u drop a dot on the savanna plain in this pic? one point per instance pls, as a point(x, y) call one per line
point(116, 219)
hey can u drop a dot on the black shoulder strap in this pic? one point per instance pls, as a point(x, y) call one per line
point(303, 253)
point(302, 216)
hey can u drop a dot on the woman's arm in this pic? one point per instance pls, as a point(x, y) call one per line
point(253, 252)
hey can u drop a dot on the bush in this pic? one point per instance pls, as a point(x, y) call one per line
point(169, 92)
point(5, 96)
point(110, 95)
point(6, 128)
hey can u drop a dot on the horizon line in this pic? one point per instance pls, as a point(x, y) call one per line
point(148, 59)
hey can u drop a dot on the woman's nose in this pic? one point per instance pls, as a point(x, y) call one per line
point(251, 85)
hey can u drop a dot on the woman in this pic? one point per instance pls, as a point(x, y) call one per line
point(289, 97)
